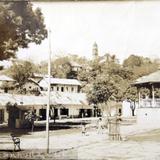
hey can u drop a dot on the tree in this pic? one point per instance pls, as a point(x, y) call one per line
point(108, 81)
point(61, 67)
point(132, 61)
point(83, 75)
point(102, 89)
point(144, 69)
point(21, 71)
point(19, 25)
point(131, 96)
point(140, 66)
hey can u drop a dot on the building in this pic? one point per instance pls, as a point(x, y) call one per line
point(60, 85)
point(31, 87)
point(66, 101)
point(76, 67)
point(62, 104)
point(37, 77)
point(148, 106)
point(6, 83)
point(4, 99)
point(95, 51)
point(71, 105)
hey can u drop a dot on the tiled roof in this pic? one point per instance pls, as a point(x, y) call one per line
point(38, 75)
point(44, 81)
point(56, 98)
point(5, 78)
point(151, 78)
point(75, 64)
point(69, 98)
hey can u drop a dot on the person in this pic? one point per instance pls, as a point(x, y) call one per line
point(83, 129)
point(100, 125)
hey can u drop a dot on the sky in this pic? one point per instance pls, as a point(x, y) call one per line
point(120, 28)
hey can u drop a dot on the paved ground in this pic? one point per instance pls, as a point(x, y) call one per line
point(70, 144)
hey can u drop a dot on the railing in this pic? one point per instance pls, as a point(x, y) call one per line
point(147, 103)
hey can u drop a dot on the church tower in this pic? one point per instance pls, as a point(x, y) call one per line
point(95, 51)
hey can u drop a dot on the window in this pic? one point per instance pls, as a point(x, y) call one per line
point(57, 88)
point(52, 88)
point(5, 90)
point(72, 89)
point(62, 89)
point(1, 116)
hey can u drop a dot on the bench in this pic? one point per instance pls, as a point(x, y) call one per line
point(11, 139)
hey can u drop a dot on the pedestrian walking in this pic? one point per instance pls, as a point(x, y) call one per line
point(83, 129)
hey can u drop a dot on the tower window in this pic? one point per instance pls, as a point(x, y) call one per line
point(62, 89)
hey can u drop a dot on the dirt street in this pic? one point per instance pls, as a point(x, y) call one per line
point(71, 144)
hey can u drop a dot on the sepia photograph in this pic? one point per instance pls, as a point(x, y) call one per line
point(79, 80)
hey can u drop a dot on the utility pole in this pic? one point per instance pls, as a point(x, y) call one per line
point(48, 98)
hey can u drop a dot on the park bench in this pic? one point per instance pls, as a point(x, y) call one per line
point(11, 139)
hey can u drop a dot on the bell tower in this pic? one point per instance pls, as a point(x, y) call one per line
point(95, 51)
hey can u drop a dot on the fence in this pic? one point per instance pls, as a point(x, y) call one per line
point(147, 103)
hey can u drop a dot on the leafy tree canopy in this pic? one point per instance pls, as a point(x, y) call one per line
point(61, 67)
point(101, 89)
point(19, 26)
point(21, 71)
point(132, 61)
point(108, 81)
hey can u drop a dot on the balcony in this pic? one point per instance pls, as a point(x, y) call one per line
point(149, 103)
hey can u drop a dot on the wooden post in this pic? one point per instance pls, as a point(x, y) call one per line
point(59, 112)
point(48, 100)
point(153, 96)
point(139, 98)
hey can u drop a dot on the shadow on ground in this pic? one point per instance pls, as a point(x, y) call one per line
point(40, 127)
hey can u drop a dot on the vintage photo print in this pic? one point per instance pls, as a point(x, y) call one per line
point(79, 79)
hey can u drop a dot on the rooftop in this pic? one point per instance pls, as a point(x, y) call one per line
point(56, 99)
point(60, 81)
point(75, 64)
point(39, 75)
point(151, 78)
point(5, 78)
